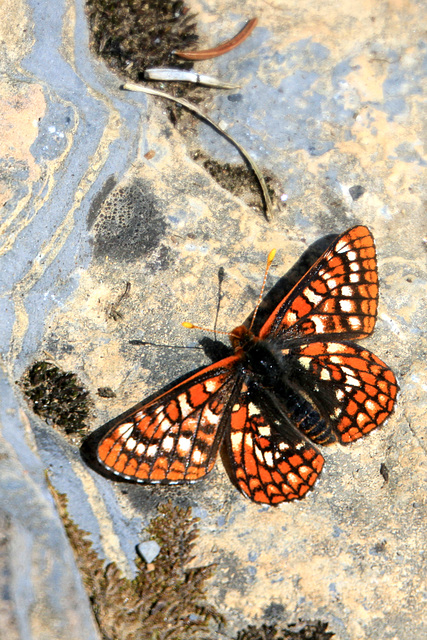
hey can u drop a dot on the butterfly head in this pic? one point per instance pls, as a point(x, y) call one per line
point(241, 337)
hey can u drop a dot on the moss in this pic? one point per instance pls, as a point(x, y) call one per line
point(57, 396)
point(133, 35)
point(165, 600)
point(237, 179)
point(304, 631)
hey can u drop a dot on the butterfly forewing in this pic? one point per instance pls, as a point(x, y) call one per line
point(174, 438)
point(338, 295)
point(353, 388)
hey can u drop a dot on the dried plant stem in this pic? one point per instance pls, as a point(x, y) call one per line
point(180, 75)
point(130, 86)
point(225, 47)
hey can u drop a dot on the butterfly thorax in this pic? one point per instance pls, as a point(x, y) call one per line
point(257, 357)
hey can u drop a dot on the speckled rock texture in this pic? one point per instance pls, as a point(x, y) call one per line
point(331, 105)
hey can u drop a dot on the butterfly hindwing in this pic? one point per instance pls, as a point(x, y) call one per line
point(338, 295)
point(270, 460)
point(353, 388)
point(175, 437)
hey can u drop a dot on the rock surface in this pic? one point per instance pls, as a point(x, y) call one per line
point(331, 105)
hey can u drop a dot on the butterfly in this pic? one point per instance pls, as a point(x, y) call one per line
point(296, 383)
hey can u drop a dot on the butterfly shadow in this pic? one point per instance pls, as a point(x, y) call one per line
point(215, 350)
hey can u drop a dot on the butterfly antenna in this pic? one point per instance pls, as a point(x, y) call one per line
point(267, 268)
point(221, 274)
point(190, 325)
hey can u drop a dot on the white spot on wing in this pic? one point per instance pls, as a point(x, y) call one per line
point(332, 283)
point(130, 444)
point(125, 429)
point(291, 317)
point(371, 405)
point(354, 266)
point(311, 296)
point(183, 405)
point(258, 454)
point(165, 425)
point(253, 410)
point(184, 445)
point(354, 322)
point(211, 386)
point(353, 381)
point(248, 440)
point(346, 306)
point(236, 439)
point(168, 443)
point(348, 371)
point(140, 449)
point(340, 394)
point(335, 347)
point(341, 246)
point(354, 277)
point(152, 450)
point(209, 416)
point(198, 456)
point(264, 431)
point(268, 457)
point(319, 323)
point(305, 362)
point(352, 255)
point(325, 375)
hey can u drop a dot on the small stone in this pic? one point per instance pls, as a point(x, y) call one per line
point(148, 550)
point(357, 191)
point(106, 392)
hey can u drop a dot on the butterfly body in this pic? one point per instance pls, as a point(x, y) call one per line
point(258, 358)
point(297, 383)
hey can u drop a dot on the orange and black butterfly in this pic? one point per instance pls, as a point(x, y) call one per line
point(295, 384)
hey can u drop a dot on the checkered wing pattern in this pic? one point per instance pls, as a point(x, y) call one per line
point(338, 295)
point(271, 460)
point(296, 385)
point(174, 438)
point(353, 389)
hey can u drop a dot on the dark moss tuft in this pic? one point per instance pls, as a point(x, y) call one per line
point(237, 179)
point(57, 396)
point(133, 35)
point(303, 631)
